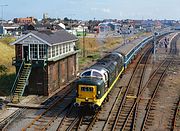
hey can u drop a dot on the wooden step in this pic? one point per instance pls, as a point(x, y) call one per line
point(18, 91)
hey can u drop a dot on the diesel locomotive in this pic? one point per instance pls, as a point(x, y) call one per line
point(97, 81)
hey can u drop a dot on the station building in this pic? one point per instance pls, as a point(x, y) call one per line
point(45, 62)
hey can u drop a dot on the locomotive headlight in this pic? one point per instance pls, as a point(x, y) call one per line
point(99, 92)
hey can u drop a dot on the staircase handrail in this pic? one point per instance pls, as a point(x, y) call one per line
point(17, 77)
point(27, 79)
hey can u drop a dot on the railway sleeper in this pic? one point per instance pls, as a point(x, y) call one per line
point(149, 123)
point(124, 116)
point(101, 119)
point(40, 124)
point(38, 128)
point(151, 118)
point(145, 127)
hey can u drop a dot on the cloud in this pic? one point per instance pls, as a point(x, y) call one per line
point(94, 9)
point(106, 10)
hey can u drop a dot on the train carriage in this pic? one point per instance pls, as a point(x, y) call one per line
point(96, 82)
point(129, 51)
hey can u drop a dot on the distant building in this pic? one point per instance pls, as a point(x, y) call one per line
point(80, 30)
point(28, 20)
point(108, 26)
point(62, 25)
point(9, 29)
point(45, 16)
point(39, 27)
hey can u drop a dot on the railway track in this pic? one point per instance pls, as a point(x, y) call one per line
point(5, 123)
point(69, 120)
point(176, 120)
point(153, 85)
point(83, 120)
point(123, 116)
point(154, 81)
point(44, 119)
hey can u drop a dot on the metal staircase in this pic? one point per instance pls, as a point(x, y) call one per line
point(20, 82)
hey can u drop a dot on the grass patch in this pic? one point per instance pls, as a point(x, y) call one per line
point(93, 48)
point(7, 40)
point(7, 72)
point(6, 53)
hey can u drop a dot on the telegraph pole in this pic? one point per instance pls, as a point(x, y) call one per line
point(2, 7)
point(83, 42)
point(154, 47)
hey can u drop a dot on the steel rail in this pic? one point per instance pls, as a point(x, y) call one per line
point(112, 108)
point(92, 122)
point(65, 117)
point(176, 115)
point(79, 123)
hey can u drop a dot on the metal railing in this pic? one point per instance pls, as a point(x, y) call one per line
point(16, 80)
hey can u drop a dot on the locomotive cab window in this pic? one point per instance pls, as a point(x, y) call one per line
point(97, 74)
point(88, 73)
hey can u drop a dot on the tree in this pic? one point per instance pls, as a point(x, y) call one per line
point(66, 19)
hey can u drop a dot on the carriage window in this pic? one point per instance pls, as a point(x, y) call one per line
point(88, 73)
point(96, 74)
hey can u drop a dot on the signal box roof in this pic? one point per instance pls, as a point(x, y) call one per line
point(49, 37)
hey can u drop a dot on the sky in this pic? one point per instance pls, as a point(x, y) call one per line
point(92, 9)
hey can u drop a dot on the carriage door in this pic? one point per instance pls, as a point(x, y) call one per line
point(26, 53)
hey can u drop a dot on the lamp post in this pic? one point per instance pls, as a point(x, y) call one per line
point(83, 41)
point(124, 37)
point(154, 51)
point(2, 7)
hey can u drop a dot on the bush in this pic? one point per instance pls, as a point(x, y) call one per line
point(6, 83)
point(8, 40)
point(3, 69)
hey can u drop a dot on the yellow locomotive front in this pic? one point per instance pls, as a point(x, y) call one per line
point(89, 92)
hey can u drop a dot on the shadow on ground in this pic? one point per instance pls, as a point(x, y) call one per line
point(6, 83)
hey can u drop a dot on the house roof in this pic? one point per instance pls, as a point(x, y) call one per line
point(50, 37)
point(48, 26)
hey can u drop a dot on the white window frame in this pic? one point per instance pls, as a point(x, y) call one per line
point(38, 55)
